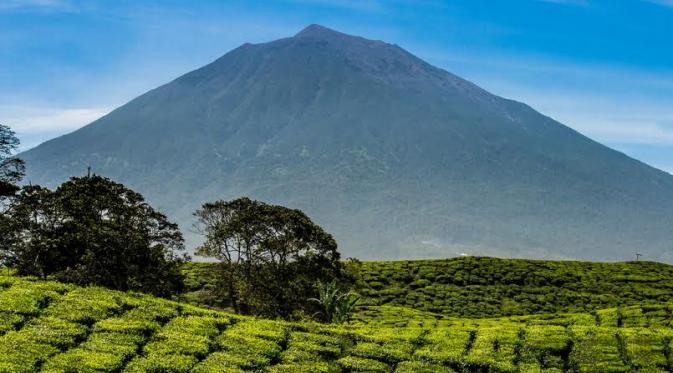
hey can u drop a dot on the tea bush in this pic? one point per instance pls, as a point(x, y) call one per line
point(50, 327)
point(491, 287)
point(485, 287)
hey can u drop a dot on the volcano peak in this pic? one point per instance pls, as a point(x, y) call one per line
point(319, 32)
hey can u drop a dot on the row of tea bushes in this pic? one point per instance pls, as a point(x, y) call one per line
point(484, 287)
point(491, 287)
point(53, 327)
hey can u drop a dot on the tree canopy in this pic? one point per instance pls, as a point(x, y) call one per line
point(92, 230)
point(271, 255)
point(11, 171)
point(11, 168)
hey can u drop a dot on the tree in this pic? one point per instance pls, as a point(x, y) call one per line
point(271, 256)
point(11, 171)
point(31, 231)
point(91, 230)
point(11, 168)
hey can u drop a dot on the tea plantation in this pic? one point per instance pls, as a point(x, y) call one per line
point(51, 327)
point(483, 287)
point(491, 287)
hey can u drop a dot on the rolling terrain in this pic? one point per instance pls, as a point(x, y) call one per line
point(396, 157)
point(490, 287)
point(52, 327)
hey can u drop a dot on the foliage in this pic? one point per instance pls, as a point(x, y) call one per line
point(335, 306)
point(11, 168)
point(270, 255)
point(64, 328)
point(11, 171)
point(425, 291)
point(91, 230)
point(491, 287)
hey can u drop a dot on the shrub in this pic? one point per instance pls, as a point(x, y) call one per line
point(267, 329)
point(359, 364)
point(445, 346)
point(57, 332)
point(86, 305)
point(249, 345)
point(313, 367)
point(8, 321)
point(127, 325)
point(222, 362)
point(81, 360)
point(19, 353)
point(119, 344)
point(173, 342)
point(494, 347)
point(391, 353)
point(231, 362)
point(24, 300)
point(173, 363)
point(335, 306)
point(596, 350)
point(421, 367)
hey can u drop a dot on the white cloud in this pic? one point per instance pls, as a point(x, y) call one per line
point(609, 120)
point(668, 3)
point(36, 124)
point(37, 119)
point(611, 104)
point(596, 100)
point(633, 132)
point(539, 66)
point(35, 4)
point(643, 130)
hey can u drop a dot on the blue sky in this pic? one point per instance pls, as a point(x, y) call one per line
point(603, 67)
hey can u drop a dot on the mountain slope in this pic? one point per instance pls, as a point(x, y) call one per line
point(397, 158)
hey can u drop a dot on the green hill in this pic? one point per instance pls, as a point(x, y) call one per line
point(491, 287)
point(53, 327)
point(483, 287)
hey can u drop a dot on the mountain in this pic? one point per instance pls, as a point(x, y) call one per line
point(397, 158)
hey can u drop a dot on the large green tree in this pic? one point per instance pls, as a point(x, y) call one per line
point(271, 256)
point(11, 168)
point(11, 172)
point(92, 230)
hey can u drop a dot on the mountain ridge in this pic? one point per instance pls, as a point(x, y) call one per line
point(400, 159)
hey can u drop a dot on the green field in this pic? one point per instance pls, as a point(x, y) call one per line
point(483, 287)
point(491, 287)
point(53, 327)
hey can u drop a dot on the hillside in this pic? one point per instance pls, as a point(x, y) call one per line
point(492, 287)
point(487, 287)
point(52, 327)
point(397, 158)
